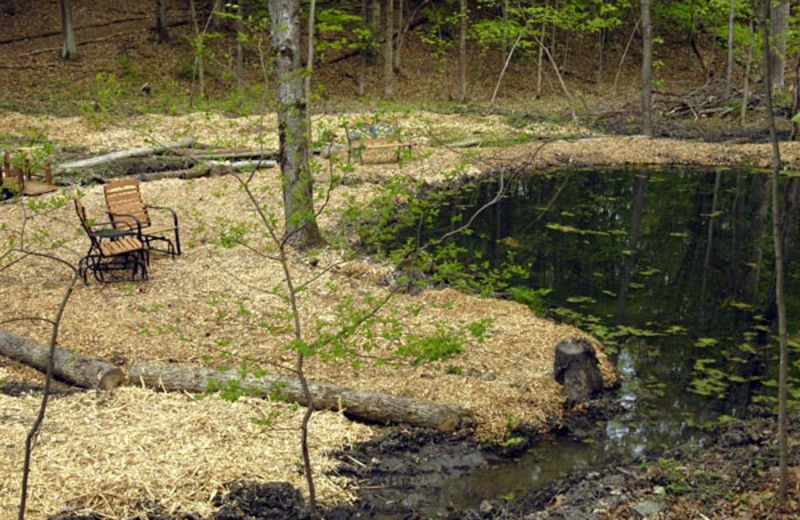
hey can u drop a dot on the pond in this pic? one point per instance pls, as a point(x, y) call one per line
point(671, 270)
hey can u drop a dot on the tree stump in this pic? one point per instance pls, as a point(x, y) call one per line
point(577, 370)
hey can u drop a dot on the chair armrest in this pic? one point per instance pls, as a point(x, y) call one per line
point(164, 208)
point(134, 218)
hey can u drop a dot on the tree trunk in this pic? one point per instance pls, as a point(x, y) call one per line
point(647, 67)
point(67, 365)
point(398, 51)
point(462, 51)
point(601, 45)
point(779, 27)
point(240, 32)
point(795, 99)
point(388, 79)
point(217, 7)
point(364, 51)
point(780, 275)
point(505, 15)
point(162, 34)
point(375, 24)
point(298, 204)
point(310, 63)
point(365, 406)
point(746, 80)
point(729, 62)
point(70, 49)
point(198, 51)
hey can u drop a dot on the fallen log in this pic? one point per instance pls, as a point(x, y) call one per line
point(67, 365)
point(191, 173)
point(356, 404)
point(140, 151)
point(237, 166)
point(230, 154)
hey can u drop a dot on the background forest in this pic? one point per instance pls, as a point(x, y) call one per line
point(564, 60)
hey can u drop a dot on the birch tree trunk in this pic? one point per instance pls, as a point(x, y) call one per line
point(298, 204)
point(70, 49)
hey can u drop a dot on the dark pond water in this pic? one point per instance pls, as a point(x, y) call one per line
point(671, 270)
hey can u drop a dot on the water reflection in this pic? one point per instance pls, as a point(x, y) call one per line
point(671, 270)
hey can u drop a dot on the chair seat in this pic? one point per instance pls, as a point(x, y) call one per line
point(120, 246)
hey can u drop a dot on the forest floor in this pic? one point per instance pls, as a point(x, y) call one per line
point(91, 448)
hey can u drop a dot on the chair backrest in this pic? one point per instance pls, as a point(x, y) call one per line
point(80, 209)
point(125, 203)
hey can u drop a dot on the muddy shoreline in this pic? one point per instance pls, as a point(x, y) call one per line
point(403, 475)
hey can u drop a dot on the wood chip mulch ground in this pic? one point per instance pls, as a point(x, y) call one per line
point(209, 306)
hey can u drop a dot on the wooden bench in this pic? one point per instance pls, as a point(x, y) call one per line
point(377, 136)
point(24, 180)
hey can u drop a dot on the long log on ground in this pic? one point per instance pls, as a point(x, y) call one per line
point(140, 151)
point(67, 365)
point(237, 166)
point(356, 404)
point(191, 173)
point(222, 155)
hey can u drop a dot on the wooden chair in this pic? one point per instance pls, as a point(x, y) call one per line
point(112, 251)
point(127, 209)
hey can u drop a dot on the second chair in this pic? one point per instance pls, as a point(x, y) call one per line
point(127, 209)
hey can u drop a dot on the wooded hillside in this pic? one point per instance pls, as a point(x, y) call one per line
point(173, 54)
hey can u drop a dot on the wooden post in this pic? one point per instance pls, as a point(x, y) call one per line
point(27, 168)
point(48, 174)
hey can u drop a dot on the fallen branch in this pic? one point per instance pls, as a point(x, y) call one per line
point(67, 365)
point(357, 404)
point(123, 154)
